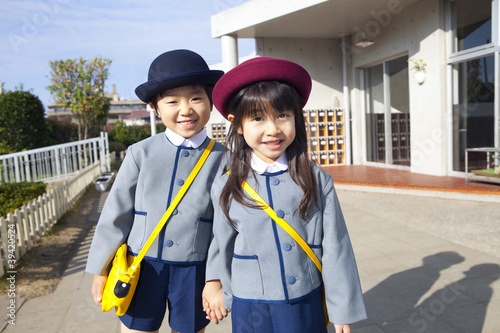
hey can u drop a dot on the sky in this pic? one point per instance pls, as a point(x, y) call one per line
point(129, 32)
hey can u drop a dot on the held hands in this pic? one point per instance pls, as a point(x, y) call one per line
point(98, 288)
point(213, 302)
point(342, 328)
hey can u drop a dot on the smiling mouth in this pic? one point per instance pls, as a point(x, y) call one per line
point(273, 143)
point(187, 122)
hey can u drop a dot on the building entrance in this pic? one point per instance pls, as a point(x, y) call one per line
point(387, 108)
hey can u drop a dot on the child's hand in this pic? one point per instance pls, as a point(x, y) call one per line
point(342, 328)
point(98, 287)
point(213, 301)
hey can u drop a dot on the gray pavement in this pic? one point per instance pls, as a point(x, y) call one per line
point(426, 265)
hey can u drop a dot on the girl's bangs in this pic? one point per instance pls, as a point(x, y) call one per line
point(268, 97)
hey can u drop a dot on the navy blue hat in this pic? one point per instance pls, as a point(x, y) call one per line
point(175, 69)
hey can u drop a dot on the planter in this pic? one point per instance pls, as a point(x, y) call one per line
point(419, 76)
point(102, 182)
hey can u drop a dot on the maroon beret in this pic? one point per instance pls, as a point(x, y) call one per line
point(257, 70)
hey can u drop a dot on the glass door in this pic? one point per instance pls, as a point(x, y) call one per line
point(475, 73)
point(388, 112)
point(473, 110)
point(375, 114)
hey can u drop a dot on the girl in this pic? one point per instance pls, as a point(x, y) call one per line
point(269, 282)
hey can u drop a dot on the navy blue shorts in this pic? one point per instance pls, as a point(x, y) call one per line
point(179, 286)
point(306, 315)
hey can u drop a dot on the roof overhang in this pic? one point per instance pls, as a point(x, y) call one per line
point(304, 18)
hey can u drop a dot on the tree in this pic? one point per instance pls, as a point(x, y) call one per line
point(60, 131)
point(22, 122)
point(130, 134)
point(78, 84)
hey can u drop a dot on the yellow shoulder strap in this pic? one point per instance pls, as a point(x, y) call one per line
point(282, 223)
point(171, 208)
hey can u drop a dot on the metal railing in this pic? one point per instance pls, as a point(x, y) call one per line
point(55, 163)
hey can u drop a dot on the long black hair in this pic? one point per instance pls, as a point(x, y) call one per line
point(272, 97)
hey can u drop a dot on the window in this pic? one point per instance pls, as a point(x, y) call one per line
point(473, 109)
point(475, 100)
point(471, 22)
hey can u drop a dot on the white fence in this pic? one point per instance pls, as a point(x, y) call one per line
point(56, 162)
point(22, 229)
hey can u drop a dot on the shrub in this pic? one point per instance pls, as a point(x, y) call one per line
point(131, 134)
point(15, 195)
point(116, 146)
point(61, 131)
point(22, 122)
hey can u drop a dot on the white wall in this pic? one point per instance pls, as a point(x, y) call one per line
point(322, 58)
point(419, 33)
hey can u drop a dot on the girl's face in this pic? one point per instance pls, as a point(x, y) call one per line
point(268, 134)
point(184, 110)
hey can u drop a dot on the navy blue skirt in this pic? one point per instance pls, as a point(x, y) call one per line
point(306, 315)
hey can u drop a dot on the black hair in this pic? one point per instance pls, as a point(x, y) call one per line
point(206, 87)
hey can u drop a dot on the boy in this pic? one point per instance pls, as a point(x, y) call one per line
point(179, 89)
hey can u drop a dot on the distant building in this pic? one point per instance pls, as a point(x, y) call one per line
point(137, 118)
point(218, 131)
point(119, 109)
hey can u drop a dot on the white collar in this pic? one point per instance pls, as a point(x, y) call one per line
point(193, 142)
point(261, 167)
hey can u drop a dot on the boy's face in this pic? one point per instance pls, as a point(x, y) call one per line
point(184, 110)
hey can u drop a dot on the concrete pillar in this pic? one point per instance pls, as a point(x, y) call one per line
point(229, 52)
point(152, 117)
point(347, 105)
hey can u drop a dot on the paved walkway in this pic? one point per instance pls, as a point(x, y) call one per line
point(426, 264)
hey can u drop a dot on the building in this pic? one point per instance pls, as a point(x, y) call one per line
point(417, 81)
point(119, 109)
point(217, 131)
point(137, 118)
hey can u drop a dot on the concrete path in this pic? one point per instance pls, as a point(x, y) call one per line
point(426, 265)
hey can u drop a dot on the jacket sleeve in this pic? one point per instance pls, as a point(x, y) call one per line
point(116, 218)
point(225, 236)
point(343, 293)
point(212, 272)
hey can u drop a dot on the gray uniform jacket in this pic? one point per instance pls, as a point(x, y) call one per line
point(150, 176)
point(261, 262)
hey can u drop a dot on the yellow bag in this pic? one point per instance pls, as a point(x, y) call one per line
point(120, 286)
point(124, 274)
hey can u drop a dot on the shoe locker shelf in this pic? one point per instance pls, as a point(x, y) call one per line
point(400, 129)
point(326, 136)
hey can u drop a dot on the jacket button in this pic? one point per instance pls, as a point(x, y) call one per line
point(275, 181)
point(291, 280)
point(280, 213)
point(179, 182)
point(169, 243)
point(185, 153)
point(287, 247)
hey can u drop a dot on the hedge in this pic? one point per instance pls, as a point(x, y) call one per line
point(15, 195)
